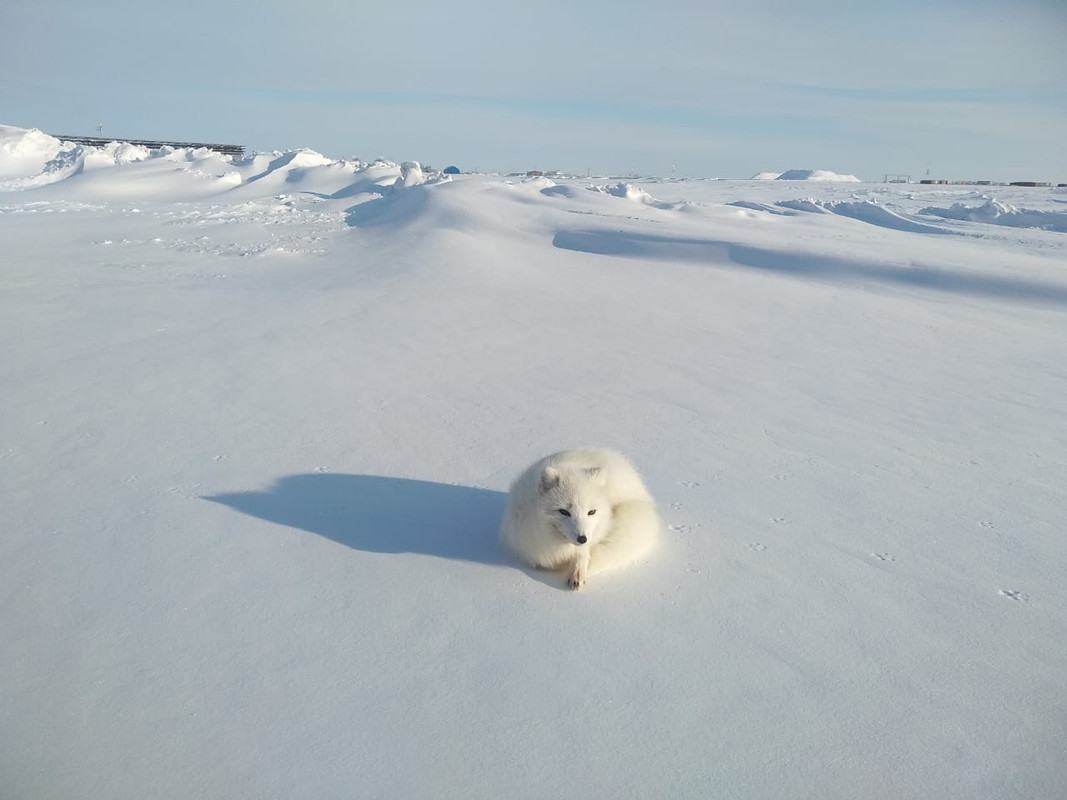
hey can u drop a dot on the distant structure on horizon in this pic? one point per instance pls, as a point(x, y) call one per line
point(941, 182)
point(236, 150)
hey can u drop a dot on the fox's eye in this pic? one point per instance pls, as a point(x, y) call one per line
point(564, 512)
point(593, 511)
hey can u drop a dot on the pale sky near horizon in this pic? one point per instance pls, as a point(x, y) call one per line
point(957, 89)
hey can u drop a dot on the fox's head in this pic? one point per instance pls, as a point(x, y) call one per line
point(576, 503)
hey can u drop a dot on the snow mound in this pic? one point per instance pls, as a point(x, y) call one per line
point(68, 160)
point(809, 204)
point(117, 153)
point(629, 192)
point(862, 210)
point(24, 153)
point(814, 175)
point(805, 175)
point(257, 162)
point(297, 159)
point(309, 158)
point(62, 165)
point(994, 212)
point(30, 159)
point(282, 166)
point(294, 170)
point(411, 174)
point(877, 214)
point(539, 182)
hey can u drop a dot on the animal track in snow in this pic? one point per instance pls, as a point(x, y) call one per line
point(884, 556)
point(679, 529)
point(1014, 594)
point(690, 484)
point(987, 525)
point(778, 520)
point(756, 547)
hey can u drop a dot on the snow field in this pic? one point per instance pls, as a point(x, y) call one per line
point(260, 419)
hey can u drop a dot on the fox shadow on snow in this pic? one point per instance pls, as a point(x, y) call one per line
point(384, 515)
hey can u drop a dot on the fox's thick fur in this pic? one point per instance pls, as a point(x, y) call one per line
point(584, 511)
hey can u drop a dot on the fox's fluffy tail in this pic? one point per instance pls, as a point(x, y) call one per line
point(634, 530)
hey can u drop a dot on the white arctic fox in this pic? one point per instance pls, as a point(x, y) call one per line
point(584, 510)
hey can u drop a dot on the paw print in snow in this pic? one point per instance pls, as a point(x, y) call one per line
point(1014, 594)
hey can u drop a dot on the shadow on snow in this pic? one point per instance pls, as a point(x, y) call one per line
point(384, 515)
point(826, 268)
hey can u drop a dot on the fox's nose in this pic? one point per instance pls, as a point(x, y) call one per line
point(582, 540)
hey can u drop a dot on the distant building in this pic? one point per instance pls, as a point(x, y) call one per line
point(451, 170)
point(534, 173)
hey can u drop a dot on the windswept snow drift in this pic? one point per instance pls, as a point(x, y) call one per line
point(994, 212)
point(630, 192)
point(25, 152)
point(39, 160)
point(260, 417)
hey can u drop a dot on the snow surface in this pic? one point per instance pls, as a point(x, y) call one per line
point(815, 175)
point(805, 175)
point(997, 213)
point(260, 416)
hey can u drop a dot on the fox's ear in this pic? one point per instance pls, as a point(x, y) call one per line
point(597, 474)
point(549, 479)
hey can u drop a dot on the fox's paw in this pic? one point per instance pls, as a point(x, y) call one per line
point(577, 579)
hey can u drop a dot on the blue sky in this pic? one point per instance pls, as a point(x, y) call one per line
point(962, 88)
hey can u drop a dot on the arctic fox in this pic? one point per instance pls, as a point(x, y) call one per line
point(580, 510)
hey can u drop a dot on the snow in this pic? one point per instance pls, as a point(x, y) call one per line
point(815, 175)
point(628, 191)
point(805, 175)
point(25, 152)
point(260, 416)
point(997, 213)
point(410, 175)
